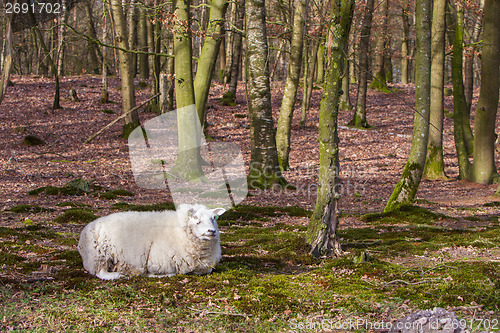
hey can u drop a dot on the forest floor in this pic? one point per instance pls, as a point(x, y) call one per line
point(443, 252)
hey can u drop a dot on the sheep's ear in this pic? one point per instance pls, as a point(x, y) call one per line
point(218, 211)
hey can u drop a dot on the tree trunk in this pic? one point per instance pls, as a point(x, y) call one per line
point(459, 102)
point(407, 187)
point(92, 46)
point(486, 110)
point(405, 42)
point(320, 73)
point(126, 76)
point(188, 163)
point(154, 45)
point(49, 58)
point(359, 117)
point(104, 92)
point(6, 64)
point(208, 56)
point(434, 166)
point(310, 66)
point(142, 44)
point(345, 100)
point(284, 127)
point(230, 95)
point(132, 35)
point(62, 36)
point(379, 82)
point(264, 167)
point(469, 60)
point(322, 228)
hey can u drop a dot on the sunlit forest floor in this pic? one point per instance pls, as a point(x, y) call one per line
point(442, 252)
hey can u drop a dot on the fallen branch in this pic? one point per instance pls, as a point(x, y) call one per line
point(220, 313)
point(120, 117)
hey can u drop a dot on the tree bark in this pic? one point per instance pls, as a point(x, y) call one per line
point(230, 95)
point(50, 60)
point(405, 42)
point(284, 128)
point(320, 72)
point(208, 56)
point(6, 64)
point(142, 43)
point(188, 163)
point(92, 46)
point(359, 117)
point(407, 187)
point(264, 167)
point(132, 35)
point(126, 76)
point(486, 110)
point(459, 102)
point(322, 228)
point(434, 166)
point(379, 82)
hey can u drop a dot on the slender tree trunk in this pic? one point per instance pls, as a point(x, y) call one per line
point(230, 95)
point(345, 100)
point(322, 228)
point(484, 161)
point(379, 81)
point(188, 163)
point(284, 127)
point(469, 62)
point(434, 166)
point(6, 64)
point(459, 102)
point(154, 45)
point(127, 80)
point(50, 60)
point(320, 73)
point(208, 56)
point(407, 187)
point(92, 46)
point(310, 62)
point(104, 92)
point(359, 117)
point(142, 41)
point(62, 38)
point(264, 167)
point(405, 42)
point(132, 35)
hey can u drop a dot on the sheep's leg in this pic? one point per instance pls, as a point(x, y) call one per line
point(105, 275)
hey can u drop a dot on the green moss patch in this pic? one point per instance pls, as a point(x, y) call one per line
point(76, 186)
point(29, 209)
point(144, 208)
point(403, 214)
point(113, 194)
point(76, 215)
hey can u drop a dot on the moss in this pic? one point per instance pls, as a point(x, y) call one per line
point(113, 194)
point(107, 111)
point(403, 214)
point(76, 215)
point(32, 140)
point(405, 184)
point(71, 204)
point(228, 99)
point(29, 209)
point(144, 208)
point(142, 84)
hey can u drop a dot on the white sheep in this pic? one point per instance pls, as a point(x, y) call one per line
point(154, 244)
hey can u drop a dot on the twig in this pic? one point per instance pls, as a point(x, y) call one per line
point(220, 313)
point(49, 152)
point(120, 117)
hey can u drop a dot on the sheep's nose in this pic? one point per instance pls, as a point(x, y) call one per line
point(211, 232)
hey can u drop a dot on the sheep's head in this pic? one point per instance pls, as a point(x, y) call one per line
point(202, 221)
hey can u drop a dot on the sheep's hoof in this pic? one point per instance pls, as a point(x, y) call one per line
point(105, 275)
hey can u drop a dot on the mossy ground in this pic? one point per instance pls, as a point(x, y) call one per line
point(266, 281)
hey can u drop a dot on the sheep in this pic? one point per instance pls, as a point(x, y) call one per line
point(155, 244)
